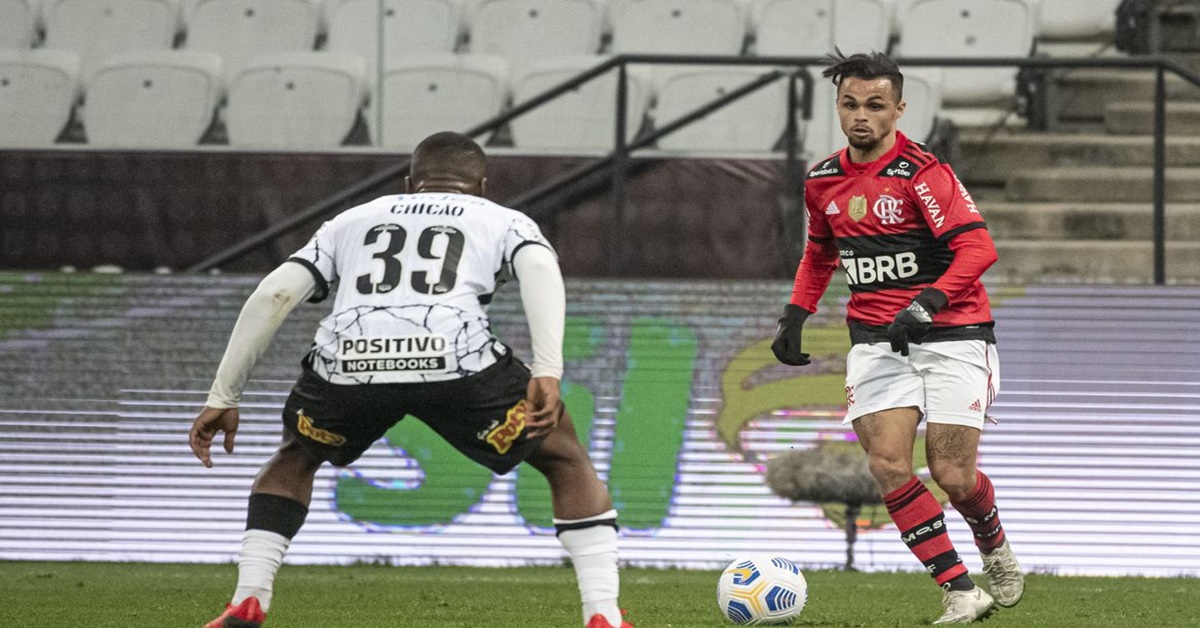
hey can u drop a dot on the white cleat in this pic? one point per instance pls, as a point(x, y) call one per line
point(964, 607)
point(1004, 576)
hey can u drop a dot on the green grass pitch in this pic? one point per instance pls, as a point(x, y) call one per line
point(70, 594)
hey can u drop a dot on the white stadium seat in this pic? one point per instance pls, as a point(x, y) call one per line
point(970, 28)
point(296, 100)
point(1076, 19)
point(410, 27)
point(901, 9)
point(699, 27)
point(153, 99)
point(532, 30)
point(753, 123)
point(39, 88)
point(241, 29)
point(814, 27)
point(97, 29)
point(582, 119)
point(434, 93)
point(1075, 27)
point(18, 23)
point(923, 93)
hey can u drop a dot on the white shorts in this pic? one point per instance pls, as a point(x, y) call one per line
point(949, 382)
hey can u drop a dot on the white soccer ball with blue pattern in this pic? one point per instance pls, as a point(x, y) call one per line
point(761, 590)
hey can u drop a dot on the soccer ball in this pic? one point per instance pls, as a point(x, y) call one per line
point(761, 590)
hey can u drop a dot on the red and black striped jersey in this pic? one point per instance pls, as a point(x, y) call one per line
point(897, 225)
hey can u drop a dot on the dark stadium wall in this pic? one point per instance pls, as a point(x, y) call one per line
point(682, 218)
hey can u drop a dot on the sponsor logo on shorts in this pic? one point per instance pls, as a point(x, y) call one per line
point(503, 435)
point(976, 407)
point(304, 425)
point(373, 354)
point(849, 396)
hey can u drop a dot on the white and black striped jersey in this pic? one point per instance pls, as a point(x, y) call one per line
point(415, 274)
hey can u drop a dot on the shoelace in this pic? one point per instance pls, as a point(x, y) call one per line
point(1002, 567)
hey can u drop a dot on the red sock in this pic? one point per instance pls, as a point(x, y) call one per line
point(979, 509)
point(923, 529)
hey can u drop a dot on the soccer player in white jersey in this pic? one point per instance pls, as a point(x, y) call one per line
point(409, 334)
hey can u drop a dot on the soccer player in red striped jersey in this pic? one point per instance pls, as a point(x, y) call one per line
point(913, 246)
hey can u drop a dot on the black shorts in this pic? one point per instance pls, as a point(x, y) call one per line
point(482, 416)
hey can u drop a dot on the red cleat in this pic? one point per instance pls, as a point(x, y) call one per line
point(599, 621)
point(248, 614)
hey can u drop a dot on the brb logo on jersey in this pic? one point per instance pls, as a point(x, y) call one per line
point(881, 268)
point(888, 209)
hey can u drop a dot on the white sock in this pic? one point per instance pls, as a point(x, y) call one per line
point(260, 558)
point(593, 552)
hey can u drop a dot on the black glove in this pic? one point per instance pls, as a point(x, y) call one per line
point(913, 323)
point(787, 336)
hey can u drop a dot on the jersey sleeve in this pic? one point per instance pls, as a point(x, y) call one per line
point(820, 259)
point(955, 220)
point(522, 231)
point(318, 257)
point(543, 297)
point(948, 207)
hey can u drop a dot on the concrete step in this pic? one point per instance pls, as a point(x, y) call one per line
point(1179, 23)
point(1190, 60)
point(1137, 118)
point(1089, 221)
point(1094, 261)
point(1101, 185)
point(990, 160)
point(1083, 94)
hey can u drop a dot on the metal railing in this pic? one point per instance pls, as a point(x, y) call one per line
point(792, 68)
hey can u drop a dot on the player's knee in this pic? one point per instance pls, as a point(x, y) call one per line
point(956, 480)
point(556, 457)
point(889, 471)
point(294, 458)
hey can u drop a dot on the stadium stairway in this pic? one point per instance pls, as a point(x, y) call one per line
point(1075, 202)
